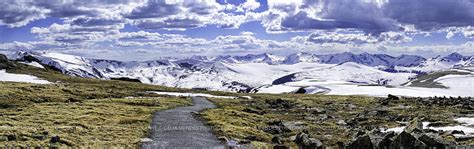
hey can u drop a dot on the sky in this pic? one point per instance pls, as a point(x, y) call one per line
point(147, 29)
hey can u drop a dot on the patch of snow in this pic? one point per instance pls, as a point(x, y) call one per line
point(4, 76)
point(465, 120)
point(277, 89)
point(466, 128)
point(191, 94)
point(34, 64)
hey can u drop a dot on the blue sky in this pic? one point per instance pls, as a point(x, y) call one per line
point(146, 29)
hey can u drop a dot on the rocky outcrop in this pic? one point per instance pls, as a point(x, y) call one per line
point(5, 63)
point(413, 136)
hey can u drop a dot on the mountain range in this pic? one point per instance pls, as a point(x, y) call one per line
point(249, 73)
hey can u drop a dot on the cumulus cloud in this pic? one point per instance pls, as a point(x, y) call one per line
point(431, 14)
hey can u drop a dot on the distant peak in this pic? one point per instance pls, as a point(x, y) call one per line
point(455, 56)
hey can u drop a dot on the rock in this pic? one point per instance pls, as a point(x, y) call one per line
point(363, 142)
point(294, 126)
point(3, 138)
point(55, 139)
point(145, 140)
point(414, 125)
point(276, 127)
point(244, 141)
point(12, 137)
point(304, 141)
point(301, 90)
point(392, 97)
point(455, 132)
point(406, 140)
point(251, 138)
point(341, 122)
point(432, 141)
point(382, 140)
point(254, 111)
point(5, 63)
point(276, 140)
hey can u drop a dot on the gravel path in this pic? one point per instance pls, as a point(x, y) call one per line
point(178, 128)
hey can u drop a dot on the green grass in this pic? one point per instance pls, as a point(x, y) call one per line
point(110, 122)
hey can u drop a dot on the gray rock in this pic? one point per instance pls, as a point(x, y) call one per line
point(432, 141)
point(5, 63)
point(362, 142)
point(406, 140)
point(304, 141)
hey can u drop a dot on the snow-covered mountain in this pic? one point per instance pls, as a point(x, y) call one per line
point(253, 71)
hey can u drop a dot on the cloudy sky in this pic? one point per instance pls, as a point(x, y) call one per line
point(146, 29)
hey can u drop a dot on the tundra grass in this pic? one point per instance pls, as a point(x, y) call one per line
point(105, 122)
point(232, 121)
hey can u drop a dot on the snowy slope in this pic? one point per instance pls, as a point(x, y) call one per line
point(353, 72)
point(264, 73)
point(4, 76)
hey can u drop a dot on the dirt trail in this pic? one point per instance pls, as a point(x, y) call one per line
point(178, 128)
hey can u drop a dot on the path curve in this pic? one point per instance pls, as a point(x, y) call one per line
point(178, 128)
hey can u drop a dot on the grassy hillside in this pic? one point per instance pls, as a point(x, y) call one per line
point(77, 110)
point(331, 119)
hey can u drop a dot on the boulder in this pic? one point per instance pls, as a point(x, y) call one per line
point(362, 142)
point(432, 141)
point(406, 140)
point(276, 127)
point(304, 141)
